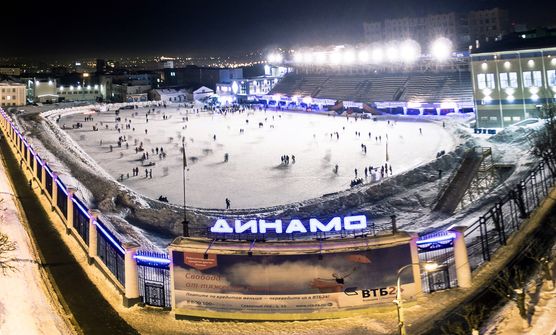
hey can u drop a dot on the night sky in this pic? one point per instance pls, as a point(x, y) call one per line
point(65, 29)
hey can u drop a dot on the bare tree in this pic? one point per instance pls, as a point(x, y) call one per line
point(511, 285)
point(472, 317)
point(6, 247)
point(544, 141)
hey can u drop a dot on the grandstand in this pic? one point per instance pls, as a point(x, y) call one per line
point(423, 87)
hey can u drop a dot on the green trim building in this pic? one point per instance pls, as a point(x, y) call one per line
point(511, 81)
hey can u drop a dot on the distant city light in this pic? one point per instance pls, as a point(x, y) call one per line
point(441, 49)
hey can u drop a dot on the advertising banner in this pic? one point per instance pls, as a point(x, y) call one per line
point(300, 283)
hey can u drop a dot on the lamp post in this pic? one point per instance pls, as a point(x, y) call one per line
point(428, 266)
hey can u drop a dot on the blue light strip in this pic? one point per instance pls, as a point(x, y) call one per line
point(448, 236)
point(61, 186)
point(150, 259)
point(105, 233)
point(48, 170)
point(86, 213)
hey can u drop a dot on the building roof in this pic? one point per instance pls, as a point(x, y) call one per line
point(10, 83)
point(516, 42)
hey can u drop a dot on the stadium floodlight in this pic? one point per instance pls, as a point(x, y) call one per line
point(320, 57)
point(308, 58)
point(271, 58)
point(378, 55)
point(348, 57)
point(507, 65)
point(335, 57)
point(363, 56)
point(298, 57)
point(307, 100)
point(392, 54)
point(278, 58)
point(553, 62)
point(410, 51)
point(531, 63)
point(441, 49)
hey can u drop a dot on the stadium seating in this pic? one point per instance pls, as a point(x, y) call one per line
point(418, 86)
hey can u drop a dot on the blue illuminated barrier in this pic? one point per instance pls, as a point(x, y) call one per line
point(485, 131)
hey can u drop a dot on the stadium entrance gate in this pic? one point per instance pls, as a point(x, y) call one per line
point(154, 281)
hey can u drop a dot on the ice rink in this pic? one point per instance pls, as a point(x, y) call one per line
point(254, 175)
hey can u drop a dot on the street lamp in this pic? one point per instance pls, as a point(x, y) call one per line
point(428, 266)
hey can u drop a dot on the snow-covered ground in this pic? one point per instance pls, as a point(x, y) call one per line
point(26, 305)
point(254, 175)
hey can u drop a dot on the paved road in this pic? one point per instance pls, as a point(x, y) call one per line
point(92, 312)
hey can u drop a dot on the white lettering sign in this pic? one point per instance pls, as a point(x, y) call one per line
point(356, 222)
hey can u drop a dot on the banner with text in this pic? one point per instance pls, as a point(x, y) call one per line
point(300, 283)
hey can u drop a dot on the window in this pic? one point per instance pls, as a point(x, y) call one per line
point(491, 83)
point(551, 77)
point(527, 79)
point(481, 81)
point(504, 80)
point(532, 79)
point(537, 78)
point(513, 79)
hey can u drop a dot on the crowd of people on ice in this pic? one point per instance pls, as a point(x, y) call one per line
point(370, 173)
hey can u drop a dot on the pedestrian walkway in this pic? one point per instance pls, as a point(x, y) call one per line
point(91, 311)
point(26, 304)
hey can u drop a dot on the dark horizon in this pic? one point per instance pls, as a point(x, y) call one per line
point(146, 28)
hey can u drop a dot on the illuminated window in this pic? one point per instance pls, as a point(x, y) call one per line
point(532, 79)
point(508, 79)
point(551, 77)
point(481, 81)
point(527, 79)
point(491, 83)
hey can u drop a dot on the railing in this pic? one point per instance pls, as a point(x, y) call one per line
point(109, 250)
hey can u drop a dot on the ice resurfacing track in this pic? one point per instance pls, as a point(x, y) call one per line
point(254, 141)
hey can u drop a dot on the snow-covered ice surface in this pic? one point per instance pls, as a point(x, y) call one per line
point(410, 193)
point(254, 175)
point(26, 307)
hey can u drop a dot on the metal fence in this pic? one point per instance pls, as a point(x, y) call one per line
point(80, 219)
point(110, 252)
point(62, 198)
point(492, 229)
